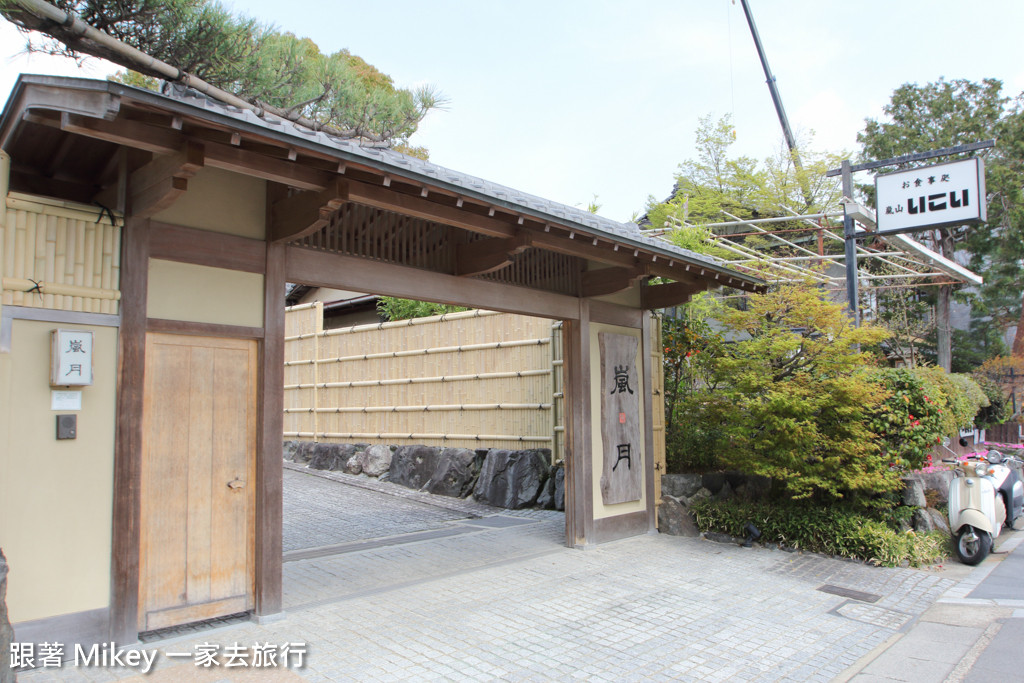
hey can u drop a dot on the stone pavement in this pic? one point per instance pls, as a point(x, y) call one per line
point(972, 633)
point(490, 595)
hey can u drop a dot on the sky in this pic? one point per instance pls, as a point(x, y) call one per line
point(570, 99)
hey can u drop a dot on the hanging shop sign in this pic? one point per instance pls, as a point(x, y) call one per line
point(71, 358)
point(931, 197)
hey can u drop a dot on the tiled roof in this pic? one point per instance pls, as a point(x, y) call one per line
point(187, 102)
point(414, 168)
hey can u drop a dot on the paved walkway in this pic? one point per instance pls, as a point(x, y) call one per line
point(471, 593)
point(972, 633)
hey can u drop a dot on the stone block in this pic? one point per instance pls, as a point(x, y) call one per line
point(304, 452)
point(674, 519)
point(375, 460)
point(413, 466)
point(288, 449)
point(331, 456)
point(930, 519)
point(680, 485)
point(913, 492)
point(455, 472)
point(512, 479)
point(713, 481)
point(352, 466)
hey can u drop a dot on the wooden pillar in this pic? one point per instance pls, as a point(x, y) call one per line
point(648, 370)
point(579, 474)
point(269, 464)
point(124, 567)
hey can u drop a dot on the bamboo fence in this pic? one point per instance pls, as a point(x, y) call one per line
point(59, 255)
point(476, 379)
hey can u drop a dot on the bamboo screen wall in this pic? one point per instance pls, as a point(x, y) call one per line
point(436, 381)
point(59, 255)
point(477, 379)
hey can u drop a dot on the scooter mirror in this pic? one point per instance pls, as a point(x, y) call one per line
point(963, 441)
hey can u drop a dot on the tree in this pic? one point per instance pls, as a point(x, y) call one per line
point(919, 118)
point(274, 70)
point(998, 246)
point(394, 308)
point(716, 186)
point(790, 398)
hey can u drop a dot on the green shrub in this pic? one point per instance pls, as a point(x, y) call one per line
point(998, 409)
point(924, 405)
point(831, 530)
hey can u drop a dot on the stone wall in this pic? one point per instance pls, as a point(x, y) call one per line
point(679, 491)
point(6, 632)
point(503, 478)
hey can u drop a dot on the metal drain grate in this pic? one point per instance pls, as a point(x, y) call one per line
point(849, 593)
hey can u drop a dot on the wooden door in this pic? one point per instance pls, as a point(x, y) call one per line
point(197, 555)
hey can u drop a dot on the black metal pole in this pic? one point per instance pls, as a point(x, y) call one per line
point(849, 233)
point(773, 88)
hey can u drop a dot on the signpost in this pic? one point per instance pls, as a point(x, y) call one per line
point(931, 197)
point(919, 199)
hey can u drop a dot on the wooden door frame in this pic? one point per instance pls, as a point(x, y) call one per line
point(126, 514)
point(281, 264)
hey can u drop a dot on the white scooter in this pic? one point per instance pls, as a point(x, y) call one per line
point(985, 494)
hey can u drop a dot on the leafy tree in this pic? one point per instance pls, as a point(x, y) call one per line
point(716, 186)
point(340, 92)
point(998, 246)
point(944, 114)
point(791, 401)
point(394, 308)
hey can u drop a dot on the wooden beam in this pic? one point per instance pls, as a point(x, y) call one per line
point(304, 213)
point(418, 207)
point(322, 269)
point(206, 248)
point(184, 163)
point(155, 199)
point(615, 314)
point(158, 184)
point(487, 256)
point(653, 297)
point(609, 280)
point(162, 141)
point(122, 132)
point(260, 166)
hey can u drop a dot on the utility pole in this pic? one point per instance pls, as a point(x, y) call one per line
point(773, 88)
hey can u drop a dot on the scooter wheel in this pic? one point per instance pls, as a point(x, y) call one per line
point(972, 545)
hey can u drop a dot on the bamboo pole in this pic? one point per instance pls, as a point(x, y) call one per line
point(20, 201)
point(384, 436)
point(435, 350)
point(412, 322)
point(425, 409)
point(318, 327)
point(23, 285)
point(421, 380)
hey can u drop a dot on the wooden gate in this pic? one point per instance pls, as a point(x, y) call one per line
point(199, 442)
